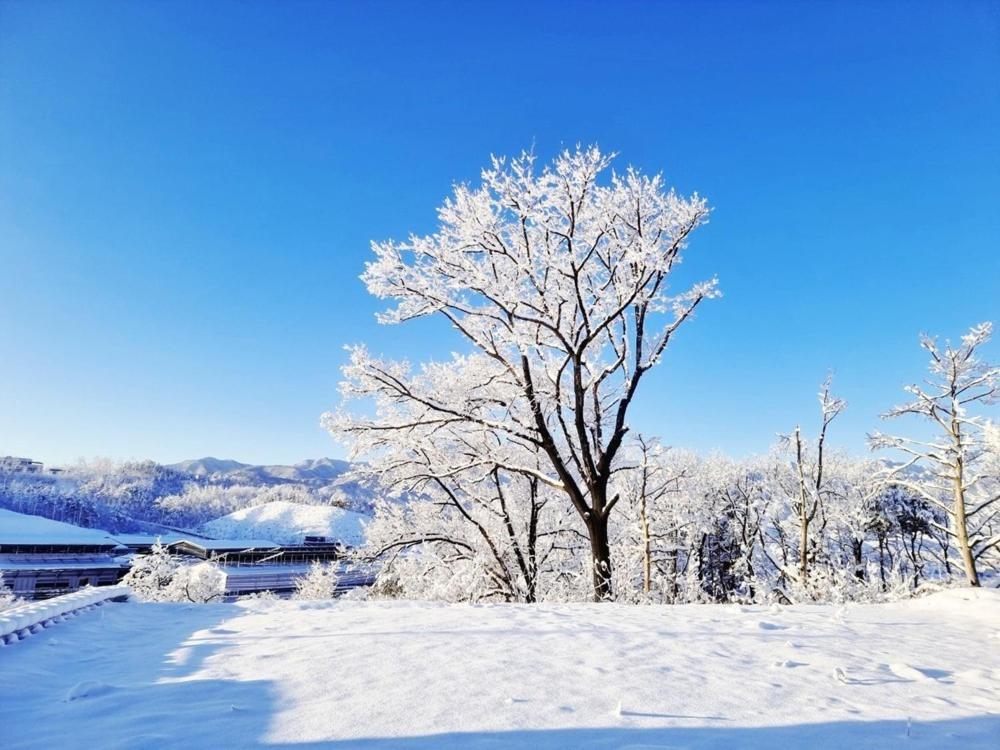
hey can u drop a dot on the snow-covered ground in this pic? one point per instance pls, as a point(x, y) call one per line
point(922, 674)
point(288, 523)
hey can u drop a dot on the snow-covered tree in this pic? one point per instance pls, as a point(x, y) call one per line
point(953, 469)
point(558, 282)
point(319, 583)
point(162, 577)
point(462, 534)
point(809, 477)
point(658, 511)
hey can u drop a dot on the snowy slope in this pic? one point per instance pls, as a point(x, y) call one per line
point(288, 523)
point(416, 676)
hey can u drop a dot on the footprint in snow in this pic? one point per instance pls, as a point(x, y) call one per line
point(764, 625)
point(88, 689)
point(789, 664)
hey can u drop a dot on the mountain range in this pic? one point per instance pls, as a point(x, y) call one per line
point(316, 472)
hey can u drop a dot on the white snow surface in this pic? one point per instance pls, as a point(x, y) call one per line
point(289, 523)
point(21, 528)
point(350, 674)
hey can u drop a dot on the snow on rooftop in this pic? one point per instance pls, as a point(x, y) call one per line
point(20, 528)
point(290, 523)
point(231, 544)
point(134, 540)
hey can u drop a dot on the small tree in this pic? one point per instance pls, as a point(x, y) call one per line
point(952, 469)
point(809, 476)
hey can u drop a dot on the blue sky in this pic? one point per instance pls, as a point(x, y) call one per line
point(187, 193)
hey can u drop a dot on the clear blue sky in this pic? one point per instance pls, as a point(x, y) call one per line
point(187, 193)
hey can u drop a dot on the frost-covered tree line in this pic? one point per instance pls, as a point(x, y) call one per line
point(522, 478)
point(803, 522)
point(123, 496)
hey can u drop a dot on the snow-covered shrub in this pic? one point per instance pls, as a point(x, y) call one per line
point(7, 597)
point(264, 596)
point(319, 583)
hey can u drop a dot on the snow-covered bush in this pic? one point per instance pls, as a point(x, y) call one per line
point(7, 597)
point(265, 596)
point(319, 583)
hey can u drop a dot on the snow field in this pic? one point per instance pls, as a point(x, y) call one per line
point(344, 674)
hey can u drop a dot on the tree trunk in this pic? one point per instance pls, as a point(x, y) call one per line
point(803, 547)
point(958, 490)
point(803, 511)
point(962, 531)
point(857, 547)
point(600, 557)
point(646, 548)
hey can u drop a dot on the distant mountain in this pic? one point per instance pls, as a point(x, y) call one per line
point(317, 472)
point(207, 467)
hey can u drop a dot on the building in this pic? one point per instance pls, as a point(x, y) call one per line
point(17, 464)
point(142, 544)
point(252, 566)
point(40, 558)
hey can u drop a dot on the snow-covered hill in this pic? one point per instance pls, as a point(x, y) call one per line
point(920, 675)
point(288, 523)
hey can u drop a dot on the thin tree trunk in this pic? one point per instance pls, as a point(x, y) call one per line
point(961, 527)
point(646, 547)
point(803, 512)
point(962, 531)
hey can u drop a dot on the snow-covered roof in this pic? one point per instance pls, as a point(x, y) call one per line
point(139, 540)
point(104, 564)
point(229, 545)
point(22, 529)
point(290, 523)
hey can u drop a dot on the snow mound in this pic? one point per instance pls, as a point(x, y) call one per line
point(289, 523)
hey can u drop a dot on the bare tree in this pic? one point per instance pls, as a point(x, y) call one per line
point(946, 471)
